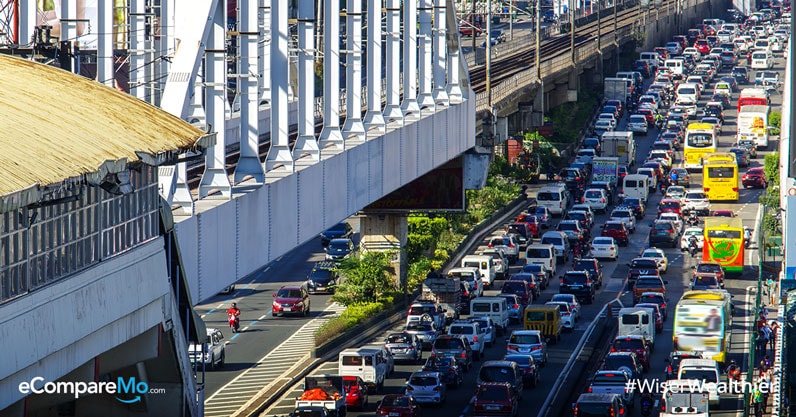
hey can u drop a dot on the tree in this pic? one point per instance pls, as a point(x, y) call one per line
point(366, 278)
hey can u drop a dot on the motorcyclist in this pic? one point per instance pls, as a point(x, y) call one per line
point(734, 371)
point(693, 220)
point(658, 120)
point(673, 177)
point(234, 310)
point(692, 245)
point(647, 400)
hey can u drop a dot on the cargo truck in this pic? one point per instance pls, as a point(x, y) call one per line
point(753, 124)
point(679, 399)
point(605, 169)
point(445, 291)
point(324, 391)
point(616, 89)
point(620, 145)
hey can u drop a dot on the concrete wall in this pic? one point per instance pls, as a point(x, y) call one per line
point(59, 328)
point(226, 241)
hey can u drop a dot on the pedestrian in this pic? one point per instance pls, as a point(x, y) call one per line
point(771, 288)
point(760, 344)
point(766, 337)
point(774, 330)
point(757, 399)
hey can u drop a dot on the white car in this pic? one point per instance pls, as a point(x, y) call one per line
point(508, 245)
point(637, 124)
point(696, 201)
point(566, 314)
point(662, 157)
point(674, 218)
point(596, 199)
point(659, 255)
point(572, 300)
point(626, 216)
point(608, 116)
point(692, 231)
point(688, 105)
point(676, 192)
point(604, 247)
point(603, 126)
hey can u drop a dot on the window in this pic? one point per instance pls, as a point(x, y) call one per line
point(630, 319)
point(700, 140)
point(724, 234)
point(721, 172)
point(530, 316)
point(537, 253)
point(352, 361)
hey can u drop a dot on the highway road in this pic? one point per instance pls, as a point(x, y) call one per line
point(262, 334)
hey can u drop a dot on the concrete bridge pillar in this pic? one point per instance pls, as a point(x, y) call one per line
point(537, 118)
point(386, 233)
point(525, 115)
point(501, 130)
point(573, 83)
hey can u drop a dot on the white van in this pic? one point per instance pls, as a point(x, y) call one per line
point(653, 59)
point(636, 186)
point(762, 45)
point(761, 60)
point(560, 242)
point(705, 371)
point(688, 91)
point(485, 266)
point(637, 321)
point(675, 66)
point(366, 363)
point(555, 197)
point(493, 307)
point(544, 255)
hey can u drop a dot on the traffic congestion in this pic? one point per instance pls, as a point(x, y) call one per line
point(643, 219)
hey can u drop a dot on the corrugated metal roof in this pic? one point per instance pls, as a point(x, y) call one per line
point(56, 125)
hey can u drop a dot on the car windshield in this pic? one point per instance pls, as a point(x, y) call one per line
point(714, 268)
point(496, 374)
point(705, 281)
point(567, 226)
point(395, 401)
point(552, 241)
point(420, 310)
point(663, 226)
point(422, 381)
point(617, 361)
point(525, 339)
point(613, 226)
point(700, 140)
point(621, 213)
point(695, 196)
point(574, 278)
point(628, 343)
point(671, 204)
point(648, 283)
point(513, 287)
point(285, 293)
point(448, 343)
point(651, 254)
point(706, 375)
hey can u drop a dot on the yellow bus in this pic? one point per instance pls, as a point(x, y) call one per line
point(703, 325)
point(720, 176)
point(724, 243)
point(700, 139)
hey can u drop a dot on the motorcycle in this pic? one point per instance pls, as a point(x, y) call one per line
point(693, 221)
point(747, 237)
point(234, 322)
point(692, 248)
point(646, 406)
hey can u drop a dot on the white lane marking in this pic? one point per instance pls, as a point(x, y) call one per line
point(203, 316)
point(220, 305)
point(262, 317)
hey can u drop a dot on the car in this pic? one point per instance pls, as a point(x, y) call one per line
point(674, 192)
point(514, 305)
point(674, 218)
point(574, 304)
point(625, 215)
point(616, 230)
point(427, 387)
point(499, 259)
point(579, 283)
point(660, 255)
point(508, 244)
point(648, 283)
point(530, 342)
point(711, 267)
point(527, 365)
point(674, 48)
point(636, 205)
point(754, 177)
point(523, 233)
point(426, 331)
point(597, 199)
point(602, 126)
point(540, 271)
point(643, 67)
point(291, 299)
point(581, 216)
point(488, 329)
point(715, 121)
point(608, 116)
point(212, 353)
point(766, 78)
point(322, 278)
point(742, 156)
point(685, 239)
point(702, 46)
point(593, 143)
point(613, 382)
point(586, 209)
point(456, 347)
point(731, 81)
point(641, 267)
point(623, 361)
point(664, 232)
point(426, 310)
point(404, 347)
point(604, 247)
point(655, 298)
point(661, 156)
point(594, 268)
point(341, 230)
point(705, 281)
point(450, 370)
point(749, 145)
point(658, 315)
point(496, 36)
point(398, 405)
point(722, 213)
point(695, 201)
point(638, 124)
point(633, 343)
point(674, 359)
point(356, 393)
point(496, 399)
point(573, 230)
point(339, 249)
point(683, 177)
point(533, 223)
point(519, 288)
point(544, 216)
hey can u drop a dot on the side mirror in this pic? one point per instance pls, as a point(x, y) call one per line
point(273, 295)
point(693, 267)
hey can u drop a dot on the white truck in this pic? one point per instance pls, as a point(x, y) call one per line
point(605, 169)
point(211, 352)
point(678, 400)
point(617, 89)
point(620, 145)
point(326, 391)
point(753, 124)
point(445, 291)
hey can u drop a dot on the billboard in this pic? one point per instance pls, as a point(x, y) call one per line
point(441, 189)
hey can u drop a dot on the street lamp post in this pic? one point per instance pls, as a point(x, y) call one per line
point(489, 53)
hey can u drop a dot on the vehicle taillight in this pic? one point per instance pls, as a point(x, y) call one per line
point(735, 188)
point(464, 355)
point(489, 245)
point(510, 347)
point(511, 245)
point(575, 411)
point(536, 348)
point(436, 388)
point(706, 189)
point(590, 390)
point(613, 349)
point(603, 200)
point(409, 388)
point(515, 306)
point(475, 338)
point(613, 414)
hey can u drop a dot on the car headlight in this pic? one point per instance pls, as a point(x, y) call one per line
point(275, 304)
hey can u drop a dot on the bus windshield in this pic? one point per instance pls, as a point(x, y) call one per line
point(700, 140)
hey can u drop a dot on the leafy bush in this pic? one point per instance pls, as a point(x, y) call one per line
point(774, 120)
point(354, 314)
point(569, 118)
point(367, 278)
point(771, 168)
point(424, 232)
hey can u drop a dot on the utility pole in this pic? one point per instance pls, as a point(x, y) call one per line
point(538, 36)
point(572, 31)
point(489, 53)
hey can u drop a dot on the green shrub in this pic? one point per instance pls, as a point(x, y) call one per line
point(354, 314)
point(774, 120)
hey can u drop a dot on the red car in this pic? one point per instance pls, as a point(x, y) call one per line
point(636, 344)
point(662, 52)
point(616, 230)
point(712, 268)
point(356, 393)
point(291, 299)
point(658, 315)
point(659, 172)
point(649, 114)
point(670, 205)
point(682, 40)
point(533, 223)
point(754, 177)
point(395, 405)
point(496, 399)
point(702, 46)
point(722, 213)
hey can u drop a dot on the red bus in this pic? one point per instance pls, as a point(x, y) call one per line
point(752, 96)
